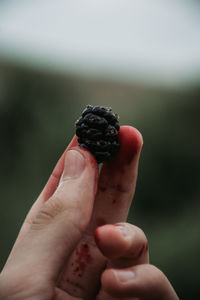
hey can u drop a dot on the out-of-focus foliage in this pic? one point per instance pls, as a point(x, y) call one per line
point(37, 115)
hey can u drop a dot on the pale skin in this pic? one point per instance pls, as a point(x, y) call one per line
point(75, 242)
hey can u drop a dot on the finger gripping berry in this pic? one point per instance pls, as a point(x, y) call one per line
point(97, 130)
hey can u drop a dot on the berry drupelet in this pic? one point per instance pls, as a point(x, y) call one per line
point(97, 130)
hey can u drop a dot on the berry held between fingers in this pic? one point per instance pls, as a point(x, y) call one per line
point(97, 130)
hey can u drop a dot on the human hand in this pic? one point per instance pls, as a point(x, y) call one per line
point(128, 274)
point(55, 255)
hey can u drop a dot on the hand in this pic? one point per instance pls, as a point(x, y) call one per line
point(129, 274)
point(55, 255)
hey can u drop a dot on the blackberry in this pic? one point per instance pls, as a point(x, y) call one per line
point(97, 130)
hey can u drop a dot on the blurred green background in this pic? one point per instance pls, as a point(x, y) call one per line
point(39, 104)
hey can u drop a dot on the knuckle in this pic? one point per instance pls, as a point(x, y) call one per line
point(55, 206)
point(49, 211)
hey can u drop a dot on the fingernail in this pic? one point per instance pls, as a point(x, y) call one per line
point(124, 276)
point(74, 165)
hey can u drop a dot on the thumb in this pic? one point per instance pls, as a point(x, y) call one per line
point(62, 219)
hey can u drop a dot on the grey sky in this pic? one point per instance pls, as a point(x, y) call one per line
point(132, 39)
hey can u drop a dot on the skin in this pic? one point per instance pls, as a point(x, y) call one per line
point(75, 242)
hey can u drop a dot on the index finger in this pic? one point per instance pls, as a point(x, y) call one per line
point(118, 180)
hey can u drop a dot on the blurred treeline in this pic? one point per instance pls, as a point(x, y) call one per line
point(37, 115)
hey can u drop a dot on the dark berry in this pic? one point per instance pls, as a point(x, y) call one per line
point(97, 130)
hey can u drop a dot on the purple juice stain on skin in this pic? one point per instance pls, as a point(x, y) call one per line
point(83, 258)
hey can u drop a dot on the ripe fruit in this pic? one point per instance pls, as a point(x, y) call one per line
point(97, 130)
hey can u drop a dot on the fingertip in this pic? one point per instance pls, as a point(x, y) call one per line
point(111, 241)
point(102, 238)
point(138, 281)
point(98, 238)
point(91, 163)
point(131, 142)
point(88, 156)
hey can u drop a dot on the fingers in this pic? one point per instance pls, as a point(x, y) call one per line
point(142, 281)
point(62, 219)
point(48, 190)
point(123, 244)
point(117, 181)
point(114, 195)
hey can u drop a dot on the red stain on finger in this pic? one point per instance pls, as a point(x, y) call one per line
point(82, 259)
